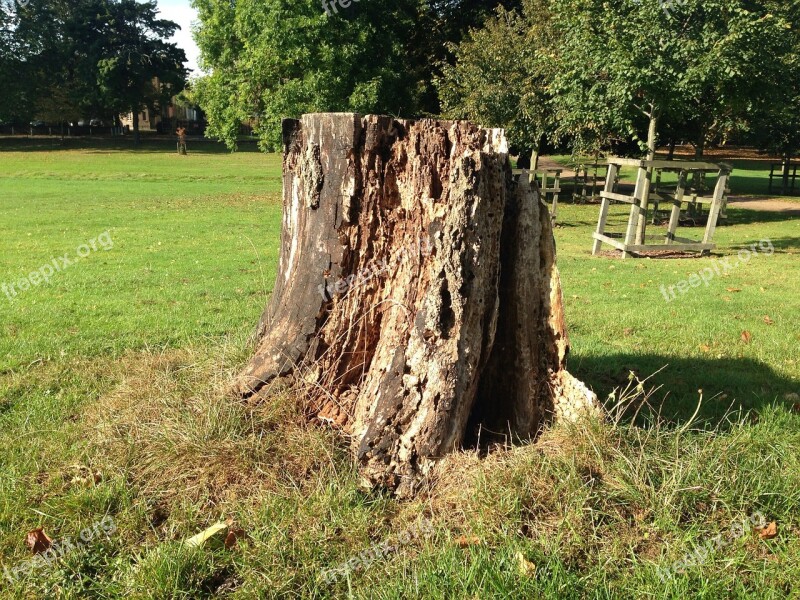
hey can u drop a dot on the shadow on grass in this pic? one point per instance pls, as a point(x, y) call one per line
point(758, 186)
point(158, 145)
point(728, 384)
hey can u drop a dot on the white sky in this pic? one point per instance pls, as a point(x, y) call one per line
point(183, 14)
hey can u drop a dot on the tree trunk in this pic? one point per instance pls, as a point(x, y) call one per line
point(671, 154)
point(417, 300)
point(785, 168)
point(135, 128)
point(698, 179)
point(652, 129)
point(535, 153)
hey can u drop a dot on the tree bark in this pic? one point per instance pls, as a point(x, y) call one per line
point(652, 131)
point(417, 301)
point(785, 168)
point(135, 128)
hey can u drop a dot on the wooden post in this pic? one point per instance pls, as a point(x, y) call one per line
point(716, 206)
point(636, 211)
point(675, 216)
point(645, 197)
point(557, 190)
point(611, 178)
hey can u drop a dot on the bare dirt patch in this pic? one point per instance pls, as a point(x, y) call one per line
point(766, 204)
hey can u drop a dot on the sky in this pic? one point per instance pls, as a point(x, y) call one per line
point(183, 14)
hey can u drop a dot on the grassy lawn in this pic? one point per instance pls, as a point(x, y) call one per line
point(112, 405)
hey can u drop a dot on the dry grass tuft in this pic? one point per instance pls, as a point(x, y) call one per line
point(172, 432)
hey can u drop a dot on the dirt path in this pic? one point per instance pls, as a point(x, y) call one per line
point(787, 207)
point(545, 162)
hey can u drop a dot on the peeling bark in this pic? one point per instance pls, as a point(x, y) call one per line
point(417, 296)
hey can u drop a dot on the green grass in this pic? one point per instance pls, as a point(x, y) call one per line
point(112, 402)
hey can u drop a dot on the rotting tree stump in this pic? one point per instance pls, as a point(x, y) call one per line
point(417, 298)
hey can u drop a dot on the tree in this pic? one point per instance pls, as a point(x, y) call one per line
point(139, 69)
point(624, 67)
point(9, 64)
point(269, 59)
point(501, 74)
point(417, 300)
point(73, 58)
point(54, 46)
point(773, 123)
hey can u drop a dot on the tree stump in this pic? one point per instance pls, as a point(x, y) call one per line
point(417, 299)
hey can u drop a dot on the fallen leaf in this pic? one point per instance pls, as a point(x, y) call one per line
point(526, 567)
point(734, 289)
point(796, 407)
point(464, 541)
point(38, 541)
point(767, 320)
point(201, 538)
point(768, 532)
point(627, 331)
point(705, 347)
point(746, 337)
point(234, 535)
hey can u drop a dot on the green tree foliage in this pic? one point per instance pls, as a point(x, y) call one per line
point(139, 69)
point(71, 58)
point(595, 72)
point(269, 59)
point(774, 122)
point(275, 58)
point(501, 74)
point(699, 66)
point(9, 63)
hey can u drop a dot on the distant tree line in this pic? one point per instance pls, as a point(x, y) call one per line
point(590, 75)
point(61, 60)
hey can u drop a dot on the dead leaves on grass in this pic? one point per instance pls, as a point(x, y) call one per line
point(38, 541)
point(768, 531)
point(526, 567)
point(232, 534)
point(465, 541)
